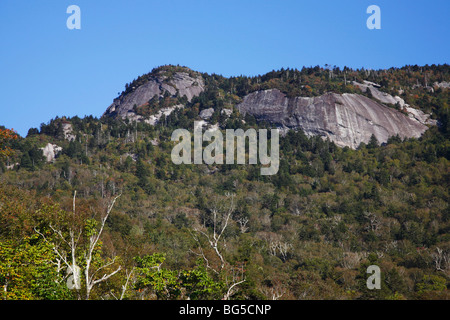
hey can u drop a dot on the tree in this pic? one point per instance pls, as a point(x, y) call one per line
point(198, 284)
point(151, 276)
point(76, 244)
point(232, 276)
point(92, 252)
point(152, 279)
point(6, 135)
point(26, 271)
point(441, 260)
point(373, 142)
point(219, 222)
point(32, 131)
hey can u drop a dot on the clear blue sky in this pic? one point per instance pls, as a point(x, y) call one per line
point(47, 70)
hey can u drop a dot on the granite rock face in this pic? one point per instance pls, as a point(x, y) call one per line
point(383, 97)
point(50, 151)
point(386, 98)
point(346, 119)
point(206, 113)
point(443, 84)
point(158, 85)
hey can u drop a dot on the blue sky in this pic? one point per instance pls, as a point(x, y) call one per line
point(47, 70)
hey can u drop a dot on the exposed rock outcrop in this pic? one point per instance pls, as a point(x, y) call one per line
point(50, 151)
point(68, 131)
point(346, 119)
point(442, 84)
point(181, 82)
point(206, 113)
point(384, 97)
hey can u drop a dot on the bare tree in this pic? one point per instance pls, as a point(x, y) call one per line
point(234, 278)
point(351, 260)
point(67, 247)
point(275, 291)
point(93, 240)
point(243, 224)
point(374, 221)
point(125, 285)
point(220, 221)
point(441, 260)
point(128, 277)
point(279, 248)
point(276, 246)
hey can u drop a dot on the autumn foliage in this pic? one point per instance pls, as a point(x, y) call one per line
point(5, 136)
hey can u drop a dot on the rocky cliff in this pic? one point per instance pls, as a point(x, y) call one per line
point(386, 98)
point(181, 83)
point(346, 119)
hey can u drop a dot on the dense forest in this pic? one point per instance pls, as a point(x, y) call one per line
point(111, 217)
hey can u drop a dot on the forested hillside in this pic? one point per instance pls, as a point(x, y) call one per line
point(108, 201)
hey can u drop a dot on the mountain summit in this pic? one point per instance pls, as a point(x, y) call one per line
point(160, 83)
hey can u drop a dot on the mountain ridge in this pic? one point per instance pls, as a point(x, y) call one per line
point(182, 84)
point(309, 231)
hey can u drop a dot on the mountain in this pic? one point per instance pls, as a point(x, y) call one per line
point(310, 231)
point(348, 119)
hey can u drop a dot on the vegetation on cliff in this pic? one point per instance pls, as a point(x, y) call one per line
point(225, 231)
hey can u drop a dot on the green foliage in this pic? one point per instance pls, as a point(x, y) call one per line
point(199, 285)
point(431, 283)
point(308, 232)
point(163, 282)
point(27, 271)
point(171, 284)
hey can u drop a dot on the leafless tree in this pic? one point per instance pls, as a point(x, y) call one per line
point(66, 246)
point(276, 246)
point(234, 277)
point(90, 276)
point(351, 260)
point(128, 277)
point(214, 236)
point(125, 285)
point(243, 224)
point(275, 291)
point(220, 222)
point(280, 249)
point(441, 260)
point(374, 221)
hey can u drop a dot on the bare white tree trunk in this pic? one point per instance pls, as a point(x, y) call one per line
point(441, 261)
point(217, 234)
point(72, 244)
point(72, 247)
point(89, 275)
point(213, 241)
point(125, 286)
